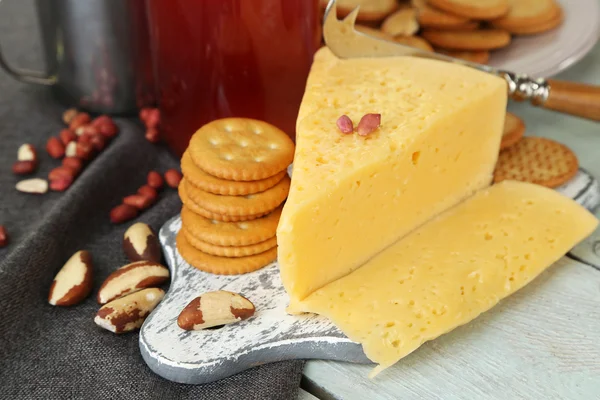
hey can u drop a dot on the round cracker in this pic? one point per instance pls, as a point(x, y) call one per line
point(210, 215)
point(222, 265)
point(487, 39)
point(241, 149)
point(370, 10)
point(469, 26)
point(401, 23)
point(475, 9)
point(212, 184)
point(414, 41)
point(230, 251)
point(429, 17)
point(230, 233)
point(514, 129)
point(527, 13)
point(537, 160)
point(546, 26)
point(251, 204)
point(479, 57)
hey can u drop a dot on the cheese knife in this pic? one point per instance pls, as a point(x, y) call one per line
point(568, 97)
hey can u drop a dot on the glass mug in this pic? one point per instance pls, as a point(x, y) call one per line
point(222, 58)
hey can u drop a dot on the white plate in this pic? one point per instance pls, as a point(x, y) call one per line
point(550, 53)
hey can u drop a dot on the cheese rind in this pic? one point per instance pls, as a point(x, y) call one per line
point(352, 196)
point(452, 269)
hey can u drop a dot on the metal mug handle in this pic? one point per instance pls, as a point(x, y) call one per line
point(27, 76)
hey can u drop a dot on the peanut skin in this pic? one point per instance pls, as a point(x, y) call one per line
point(368, 124)
point(344, 123)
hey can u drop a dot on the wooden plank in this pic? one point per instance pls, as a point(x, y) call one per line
point(304, 395)
point(588, 251)
point(540, 343)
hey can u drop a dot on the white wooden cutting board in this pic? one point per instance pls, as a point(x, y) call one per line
point(273, 335)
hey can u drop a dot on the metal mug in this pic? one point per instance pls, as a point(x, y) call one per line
point(97, 54)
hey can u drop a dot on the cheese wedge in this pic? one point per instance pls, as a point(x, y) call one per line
point(352, 196)
point(452, 269)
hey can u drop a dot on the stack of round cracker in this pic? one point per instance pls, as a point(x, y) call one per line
point(234, 184)
point(467, 29)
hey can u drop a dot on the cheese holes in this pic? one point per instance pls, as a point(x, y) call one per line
point(396, 343)
point(415, 157)
point(488, 236)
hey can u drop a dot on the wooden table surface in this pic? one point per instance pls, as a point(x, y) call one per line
point(540, 343)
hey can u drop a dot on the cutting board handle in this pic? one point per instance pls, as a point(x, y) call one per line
point(574, 98)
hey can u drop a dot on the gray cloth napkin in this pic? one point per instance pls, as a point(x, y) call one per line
point(58, 353)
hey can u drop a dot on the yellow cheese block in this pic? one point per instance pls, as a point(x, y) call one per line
point(451, 269)
point(352, 196)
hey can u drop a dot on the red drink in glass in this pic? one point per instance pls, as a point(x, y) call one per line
point(222, 58)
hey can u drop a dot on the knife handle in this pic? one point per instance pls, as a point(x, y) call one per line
point(573, 98)
point(567, 97)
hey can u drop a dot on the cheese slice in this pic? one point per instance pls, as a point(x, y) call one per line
point(452, 269)
point(352, 196)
